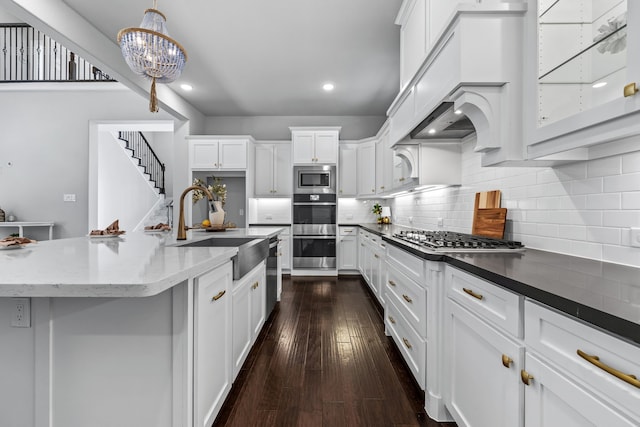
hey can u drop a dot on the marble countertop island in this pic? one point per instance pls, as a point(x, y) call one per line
point(139, 264)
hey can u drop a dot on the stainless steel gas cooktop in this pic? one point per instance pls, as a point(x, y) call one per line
point(448, 241)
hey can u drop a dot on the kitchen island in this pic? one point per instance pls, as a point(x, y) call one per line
point(120, 327)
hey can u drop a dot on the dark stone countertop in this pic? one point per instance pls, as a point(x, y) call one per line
point(603, 294)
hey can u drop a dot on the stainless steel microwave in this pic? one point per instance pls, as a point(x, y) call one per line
point(314, 179)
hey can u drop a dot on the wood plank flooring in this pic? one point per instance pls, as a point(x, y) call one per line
point(322, 359)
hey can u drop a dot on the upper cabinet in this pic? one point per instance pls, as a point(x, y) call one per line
point(218, 152)
point(348, 171)
point(367, 169)
point(273, 173)
point(581, 89)
point(315, 145)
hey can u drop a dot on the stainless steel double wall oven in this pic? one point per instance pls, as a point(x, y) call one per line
point(314, 217)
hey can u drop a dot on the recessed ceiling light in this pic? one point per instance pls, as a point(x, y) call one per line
point(432, 131)
point(186, 87)
point(328, 87)
point(599, 84)
point(457, 112)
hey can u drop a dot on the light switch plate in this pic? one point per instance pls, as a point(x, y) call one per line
point(69, 197)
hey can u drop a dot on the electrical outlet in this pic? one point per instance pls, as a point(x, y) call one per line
point(268, 216)
point(69, 197)
point(440, 222)
point(635, 237)
point(21, 315)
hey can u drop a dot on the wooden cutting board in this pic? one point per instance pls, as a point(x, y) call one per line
point(488, 218)
point(489, 222)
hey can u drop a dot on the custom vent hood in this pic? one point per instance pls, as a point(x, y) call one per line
point(445, 122)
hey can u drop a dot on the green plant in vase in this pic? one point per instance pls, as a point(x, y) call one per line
point(377, 210)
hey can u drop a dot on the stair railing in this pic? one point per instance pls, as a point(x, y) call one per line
point(29, 55)
point(147, 158)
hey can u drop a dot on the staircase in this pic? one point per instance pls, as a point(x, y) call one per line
point(146, 158)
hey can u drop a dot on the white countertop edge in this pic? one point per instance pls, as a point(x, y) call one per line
point(120, 290)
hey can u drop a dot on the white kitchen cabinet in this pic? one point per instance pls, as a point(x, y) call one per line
point(218, 153)
point(284, 249)
point(315, 145)
point(406, 166)
point(212, 343)
point(348, 248)
point(483, 386)
point(413, 31)
point(384, 165)
point(273, 173)
point(247, 314)
point(552, 398)
point(367, 169)
point(348, 171)
point(578, 110)
point(573, 379)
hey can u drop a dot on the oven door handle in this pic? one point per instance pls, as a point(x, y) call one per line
point(314, 204)
point(315, 237)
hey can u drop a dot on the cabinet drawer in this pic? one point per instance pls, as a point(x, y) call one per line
point(348, 231)
point(411, 265)
point(411, 345)
point(487, 300)
point(558, 338)
point(410, 297)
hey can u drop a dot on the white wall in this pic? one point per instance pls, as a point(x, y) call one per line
point(123, 192)
point(44, 151)
point(352, 211)
point(277, 127)
point(583, 209)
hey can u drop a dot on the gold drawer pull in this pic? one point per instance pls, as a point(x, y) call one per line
point(406, 298)
point(376, 256)
point(473, 294)
point(630, 89)
point(392, 320)
point(362, 244)
point(255, 285)
point(406, 343)
point(217, 297)
point(392, 283)
point(506, 361)
point(526, 377)
point(595, 360)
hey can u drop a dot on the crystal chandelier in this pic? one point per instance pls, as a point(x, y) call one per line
point(151, 53)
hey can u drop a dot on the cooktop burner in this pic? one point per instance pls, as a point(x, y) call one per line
point(448, 241)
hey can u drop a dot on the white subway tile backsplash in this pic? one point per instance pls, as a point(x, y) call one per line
point(603, 201)
point(583, 209)
point(631, 200)
point(604, 167)
point(625, 182)
point(631, 162)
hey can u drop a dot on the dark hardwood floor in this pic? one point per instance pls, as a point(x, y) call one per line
point(322, 359)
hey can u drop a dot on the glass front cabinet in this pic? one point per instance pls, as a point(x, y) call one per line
point(584, 67)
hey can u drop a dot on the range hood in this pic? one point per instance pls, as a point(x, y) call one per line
point(444, 122)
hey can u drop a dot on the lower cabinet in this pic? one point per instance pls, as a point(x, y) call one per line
point(284, 249)
point(212, 343)
point(248, 314)
point(348, 248)
point(483, 386)
point(553, 399)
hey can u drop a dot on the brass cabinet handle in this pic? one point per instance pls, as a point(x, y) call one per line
point(217, 297)
point(376, 256)
point(630, 89)
point(373, 190)
point(392, 283)
point(401, 179)
point(392, 320)
point(406, 298)
point(383, 246)
point(473, 294)
point(255, 285)
point(406, 343)
point(506, 361)
point(526, 377)
point(361, 244)
point(595, 360)
point(382, 187)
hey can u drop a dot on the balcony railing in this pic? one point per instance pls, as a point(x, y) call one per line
point(28, 55)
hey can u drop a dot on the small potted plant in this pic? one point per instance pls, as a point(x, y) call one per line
point(377, 210)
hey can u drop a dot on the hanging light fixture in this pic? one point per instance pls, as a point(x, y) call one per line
point(151, 53)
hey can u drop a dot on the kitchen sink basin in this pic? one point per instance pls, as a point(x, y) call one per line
point(251, 251)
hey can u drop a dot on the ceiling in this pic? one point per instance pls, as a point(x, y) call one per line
point(271, 58)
